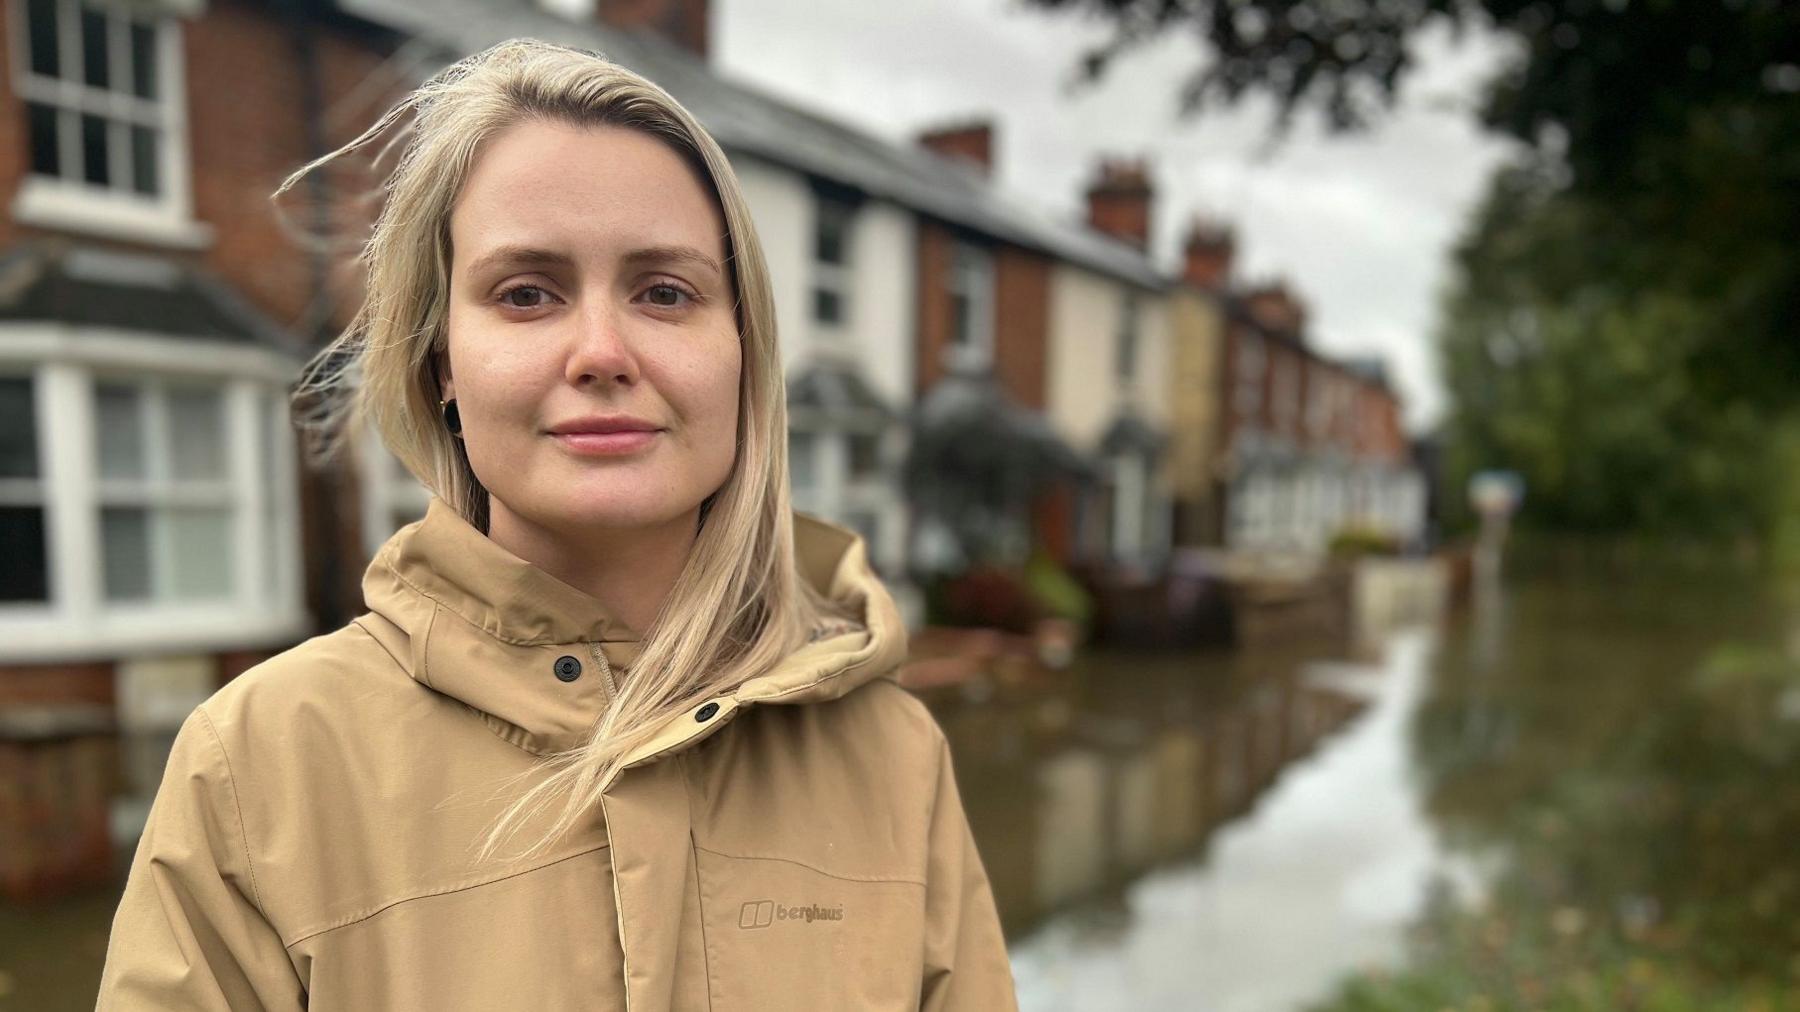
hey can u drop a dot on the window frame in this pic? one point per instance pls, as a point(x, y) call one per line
point(1250, 363)
point(265, 603)
point(836, 493)
point(67, 201)
point(159, 491)
point(1130, 337)
point(971, 277)
point(34, 491)
point(836, 278)
point(387, 488)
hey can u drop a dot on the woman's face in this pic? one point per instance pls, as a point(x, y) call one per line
point(593, 346)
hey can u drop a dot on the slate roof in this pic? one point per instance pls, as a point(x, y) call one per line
point(835, 389)
point(746, 120)
point(63, 281)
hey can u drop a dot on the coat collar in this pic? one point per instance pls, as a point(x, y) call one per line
point(471, 620)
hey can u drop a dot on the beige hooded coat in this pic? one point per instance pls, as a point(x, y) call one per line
point(796, 844)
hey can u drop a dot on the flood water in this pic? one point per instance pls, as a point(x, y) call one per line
point(1580, 794)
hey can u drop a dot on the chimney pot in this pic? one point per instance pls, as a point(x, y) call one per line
point(971, 142)
point(1119, 201)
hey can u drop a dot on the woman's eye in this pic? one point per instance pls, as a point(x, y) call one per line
point(667, 296)
point(533, 295)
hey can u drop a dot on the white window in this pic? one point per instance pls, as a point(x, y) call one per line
point(1249, 366)
point(102, 89)
point(25, 565)
point(841, 474)
point(1320, 392)
point(832, 269)
point(144, 503)
point(1129, 504)
point(1285, 396)
point(971, 285)
point(1126, 361)
point(392, 497)
point(803, 466)
point(166, 494)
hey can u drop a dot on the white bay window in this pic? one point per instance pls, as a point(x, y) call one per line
point(146, 500)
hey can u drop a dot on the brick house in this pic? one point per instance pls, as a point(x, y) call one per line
point(153, 313)
point(1282, 446)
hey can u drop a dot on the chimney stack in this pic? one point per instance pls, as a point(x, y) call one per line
point(687, 23)
point(1207, 255)
point(1277, 309)
point(1119, 201)
point(971, 141)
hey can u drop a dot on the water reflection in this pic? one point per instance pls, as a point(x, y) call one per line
point(1246, 866)
point(1125, 763)
point(1579, 796)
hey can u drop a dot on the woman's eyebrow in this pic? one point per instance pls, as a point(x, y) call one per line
point(522, 256)
point(672, 255)
point(533, 256)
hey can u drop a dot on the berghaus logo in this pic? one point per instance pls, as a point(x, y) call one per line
point(762, 913)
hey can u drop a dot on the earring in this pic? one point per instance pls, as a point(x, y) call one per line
point(452, 418)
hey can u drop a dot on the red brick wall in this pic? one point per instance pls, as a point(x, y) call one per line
point(972, 143)
point(15, 136)
point(934, 303)
point(247, 131)
point(1021, 316)
point(1022, 324)
point(54, 684)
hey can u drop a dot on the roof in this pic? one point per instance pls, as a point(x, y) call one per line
point(834, 389)
point(74, 283)
point(1130, 433)
point(745, 120)
point(1372, 368)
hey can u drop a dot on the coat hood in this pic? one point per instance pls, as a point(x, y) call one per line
point(536, 657)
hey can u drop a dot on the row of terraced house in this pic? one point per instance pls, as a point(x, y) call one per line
point(969, 379)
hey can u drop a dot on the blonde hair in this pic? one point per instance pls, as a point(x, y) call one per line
point(740, 604)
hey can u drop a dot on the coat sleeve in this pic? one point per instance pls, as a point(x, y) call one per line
point(190, 933)
point(966, 965)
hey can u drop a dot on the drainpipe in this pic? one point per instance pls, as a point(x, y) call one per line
point(314, 324)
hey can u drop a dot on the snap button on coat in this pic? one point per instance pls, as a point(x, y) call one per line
point(568, 668)
point(705, 713)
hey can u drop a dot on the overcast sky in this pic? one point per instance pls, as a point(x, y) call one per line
point(1359, 226)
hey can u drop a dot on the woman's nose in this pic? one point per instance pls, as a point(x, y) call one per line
point(602, 349)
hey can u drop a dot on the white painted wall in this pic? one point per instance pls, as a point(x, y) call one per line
point(877, 336)
point(883, 290)
point(1082, 395)
point(883, 300)
point(1085, 394)
point(781, 205)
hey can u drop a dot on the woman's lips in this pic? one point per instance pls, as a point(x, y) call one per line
point(606, 444)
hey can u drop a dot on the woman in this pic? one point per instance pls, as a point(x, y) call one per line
point(618, 729)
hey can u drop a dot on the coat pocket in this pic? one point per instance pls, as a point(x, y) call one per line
point(781, 934)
